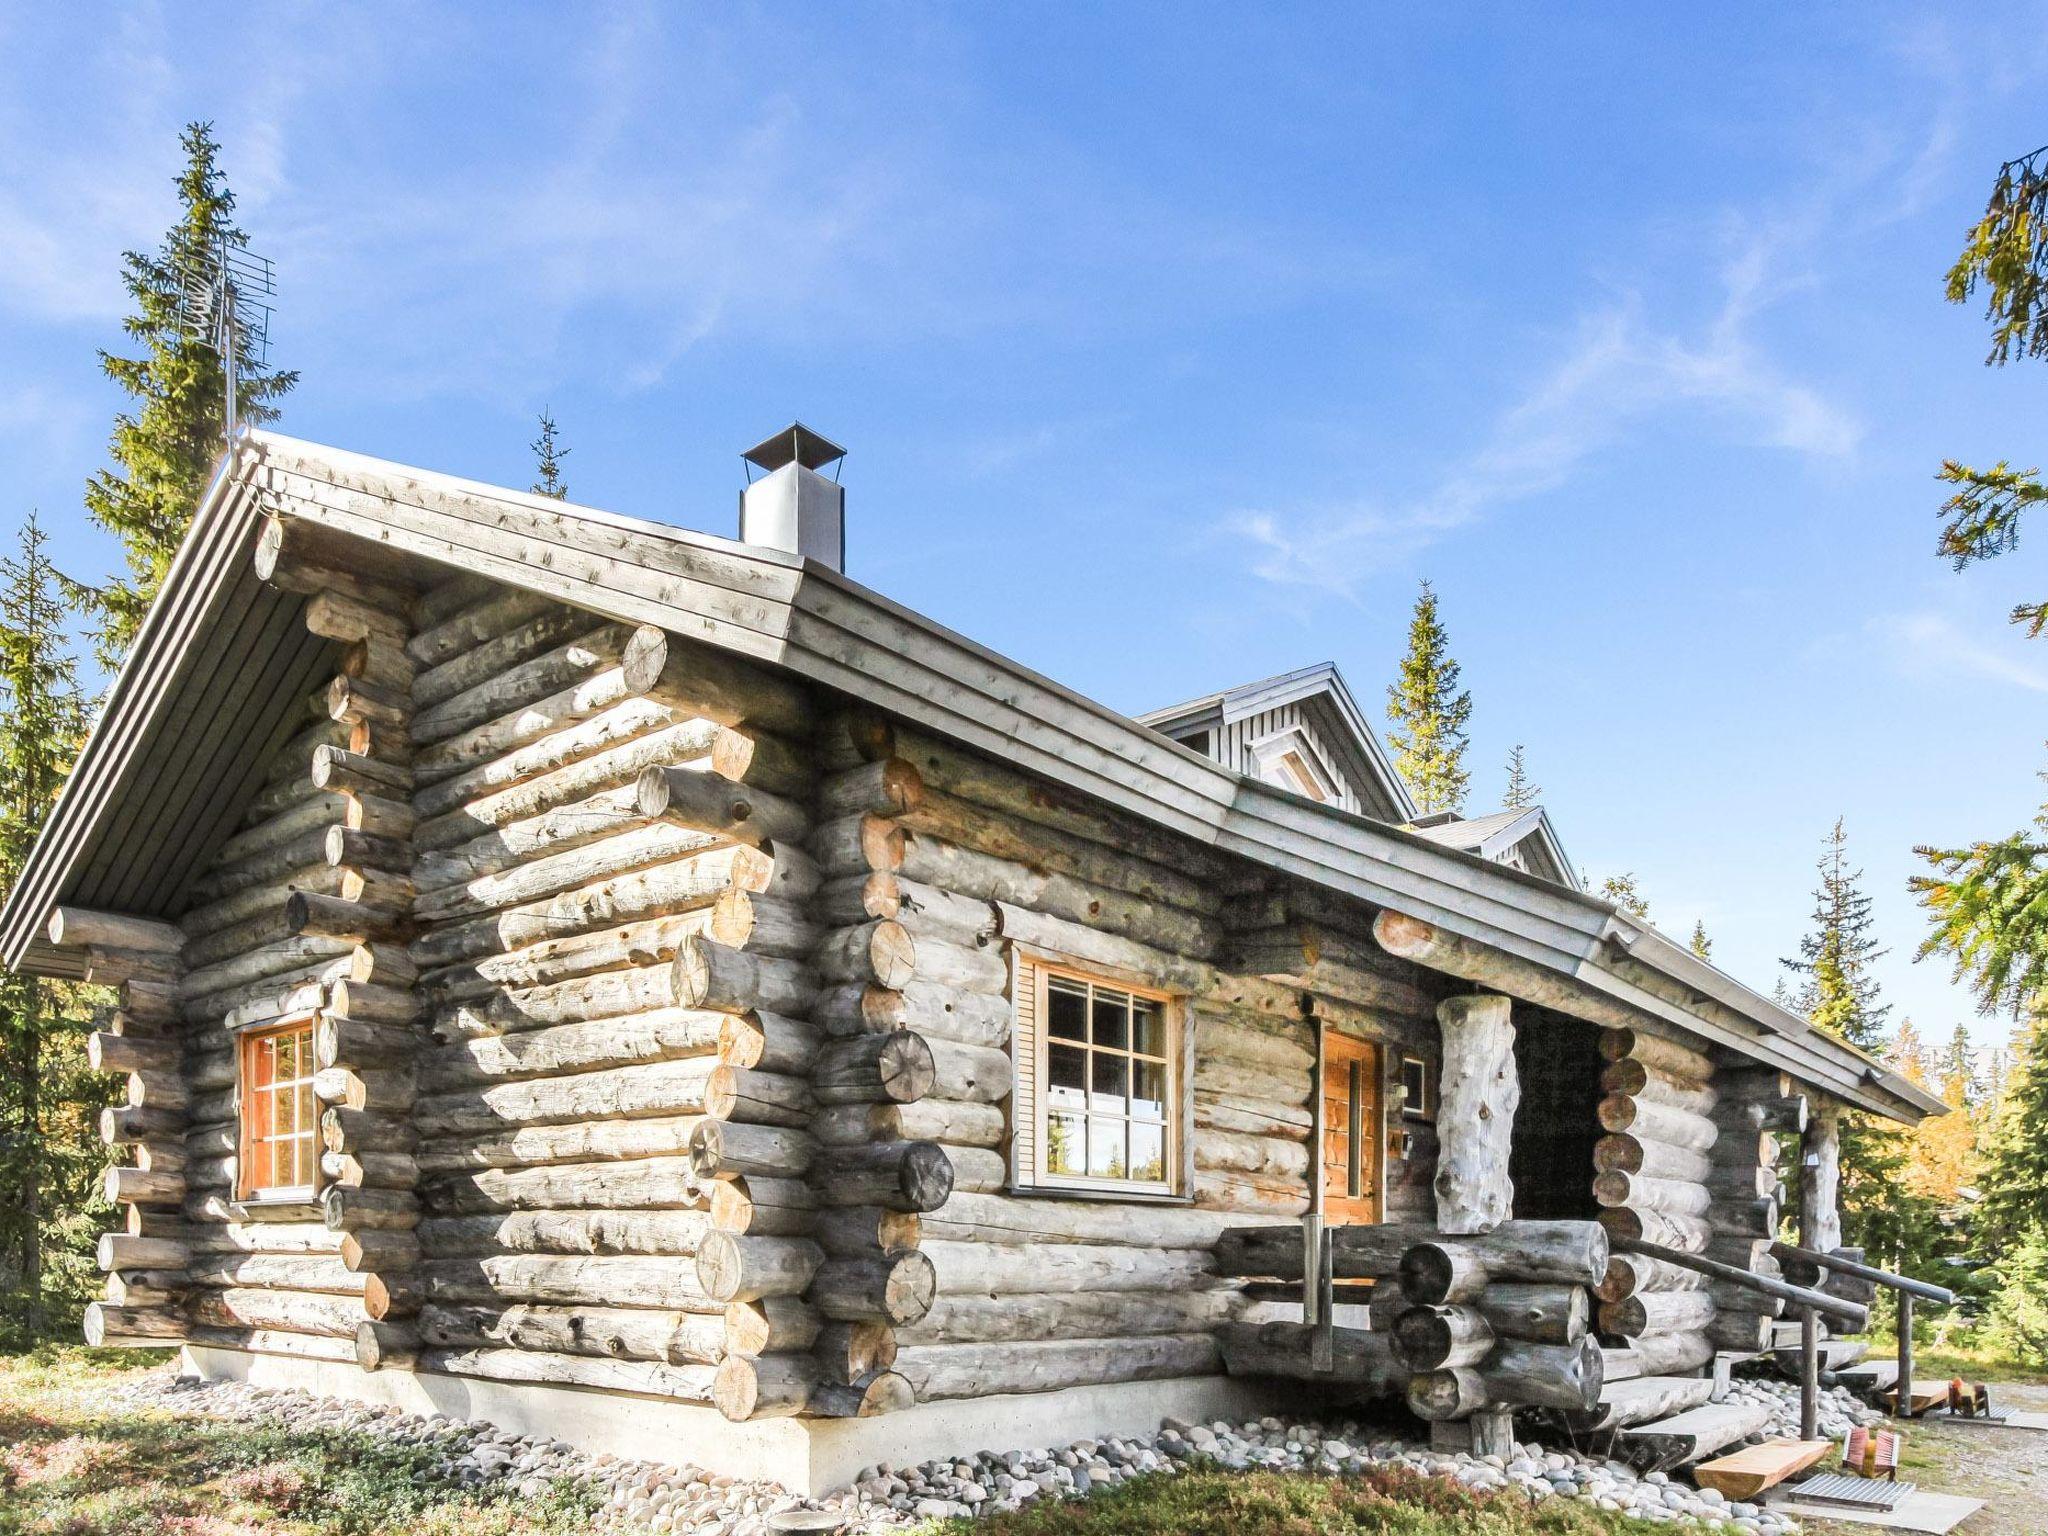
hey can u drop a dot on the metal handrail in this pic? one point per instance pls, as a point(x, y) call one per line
point(1902, 1389)
point(1810, 1304)
point(1828, 1261)
point(1850, 1312)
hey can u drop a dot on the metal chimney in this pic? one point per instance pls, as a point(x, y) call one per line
point(792, 507)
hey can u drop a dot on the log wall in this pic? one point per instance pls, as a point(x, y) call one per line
point(663, 1035)
point(963, 857)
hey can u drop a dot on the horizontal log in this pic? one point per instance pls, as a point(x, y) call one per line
point(659, 1034)
point(720, 1149)
point(114, 1327)
point(937, 1372)
point(943, 1120)
point(1441, 1338)
point(512, 1147)
point(1627, 1153)
point(731, 1267)
point(1657, 1312)
point(1656, 1051)
point(1007, 1219)
point(1639, 1080)
point(708, 802)
point(643, 1184)
point(1359, 1360)
point(1648, 1120)
point(658, 1283)
point(84, 928)
point(899, 1176)
point(890, 1068)
point(1014, 1317)
point(712, 975)
point(613, 1233)
point(1640, 1192)
point(645, 1378)
point(896, 1288)
point(1008, 1269)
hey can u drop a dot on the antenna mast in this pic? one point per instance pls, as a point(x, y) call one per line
point(226, 302)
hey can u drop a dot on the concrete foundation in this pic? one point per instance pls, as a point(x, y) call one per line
point(806, 1456)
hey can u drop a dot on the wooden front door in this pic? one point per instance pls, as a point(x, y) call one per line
point(1351, 1130)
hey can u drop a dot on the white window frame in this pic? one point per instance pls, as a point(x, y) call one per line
point(1030, 972)
point(1270, 754)
point(1415, 1109)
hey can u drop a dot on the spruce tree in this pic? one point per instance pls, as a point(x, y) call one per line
point(1987, 909)
point(1700, 944)
point(165, 447)
point(1521, 792)
point(1429, 714)
point(2007, 253)
point(42, 721)
point(2014, 1177)
point(1838, 992)
point(548, 454)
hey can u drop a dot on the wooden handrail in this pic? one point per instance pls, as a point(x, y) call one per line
point(1783, 1290)
point(1828, 1261)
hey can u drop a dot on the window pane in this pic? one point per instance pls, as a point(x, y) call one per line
point(309, 1115)
point(1109, 1081)
point(1105, 1148)
point(1148, 1090)
point(1112, 1019)
point(1065, 1144)
point(1148, 1027)
point(1148, 1153)
point(1066, 1076)
point(1066, 1009)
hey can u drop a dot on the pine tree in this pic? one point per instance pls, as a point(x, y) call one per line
point(1429, 714)
point(165, 449)
point(547, 457)
point(1621, 890)
point(1520, 791)
point(42, 721)
point(1701, 945)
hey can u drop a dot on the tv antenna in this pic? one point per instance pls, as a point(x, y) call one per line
point(226, 301)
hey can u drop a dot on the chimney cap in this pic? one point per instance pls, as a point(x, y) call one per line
point(794, 444)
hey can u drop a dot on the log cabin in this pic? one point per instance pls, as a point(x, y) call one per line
point(647, 988)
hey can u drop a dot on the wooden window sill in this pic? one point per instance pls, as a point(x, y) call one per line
point(1100, 1196)
point(289, 1208)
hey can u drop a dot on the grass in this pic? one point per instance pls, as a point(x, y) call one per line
point(1962, 1357)
point(1388, 1501)
point(72, 1463)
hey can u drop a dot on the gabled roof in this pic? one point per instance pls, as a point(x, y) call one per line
point(1493, 835)
point(1321, 693)
point(173, 761)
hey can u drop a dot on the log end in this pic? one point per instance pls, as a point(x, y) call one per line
point(646, 654)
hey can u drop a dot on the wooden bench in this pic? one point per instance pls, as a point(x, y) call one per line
point(1749, 1471)
point(1869, 1451)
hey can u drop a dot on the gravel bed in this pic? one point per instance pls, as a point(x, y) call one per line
point(1840, 1410)
point(644, 1497)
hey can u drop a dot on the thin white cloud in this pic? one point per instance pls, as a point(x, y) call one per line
point(1617, 371)
point(1933, 647)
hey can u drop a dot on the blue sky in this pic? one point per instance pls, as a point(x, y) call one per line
point(1175, 343)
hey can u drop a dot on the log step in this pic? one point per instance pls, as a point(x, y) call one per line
point(1785, 1335)
point(1872, 1376)
point(1643, 1400)
point(1835, 1355)
point(1748, 1472)
point(1690, 1436)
